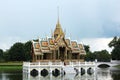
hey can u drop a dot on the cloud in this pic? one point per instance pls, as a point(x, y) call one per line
point(87, 19)
point(7, 42)
point(111, 29)
point(97, 44)
point(27, 18)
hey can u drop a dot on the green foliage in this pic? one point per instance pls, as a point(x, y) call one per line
point(87, 48)
point(99, 55)
point(118, 66)
point(11, 68)
point(103, 56)
point(17, 52)
point(1, 54)
point(90, 56)
point(6, 55)
point(28, 51)
point(115, 44)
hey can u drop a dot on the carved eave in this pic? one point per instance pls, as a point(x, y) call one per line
point(82, 50)
point(46, 50)
point(52, 47)
point(36, 47)
point(51, 43)
point(75, 48)
point(45, 46)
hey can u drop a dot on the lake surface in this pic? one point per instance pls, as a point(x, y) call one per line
point(100, 74)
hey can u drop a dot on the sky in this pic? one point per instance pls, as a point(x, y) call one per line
point(91, 22)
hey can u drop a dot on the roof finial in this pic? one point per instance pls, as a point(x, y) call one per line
point(58, 14)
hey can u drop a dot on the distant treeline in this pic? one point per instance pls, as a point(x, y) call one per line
point(18, 52)
point(23, 52)
point(104, 55)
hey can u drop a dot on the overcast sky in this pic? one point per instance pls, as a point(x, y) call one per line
point(92, 22)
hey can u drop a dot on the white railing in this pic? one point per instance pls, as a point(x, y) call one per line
point(77, 63)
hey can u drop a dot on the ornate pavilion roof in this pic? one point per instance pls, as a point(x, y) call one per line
point(53, 43)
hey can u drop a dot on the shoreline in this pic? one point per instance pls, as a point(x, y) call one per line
point(11, 66)
point(118, 66)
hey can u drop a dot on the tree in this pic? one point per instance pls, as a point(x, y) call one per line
point(1, 54)
point(103, 55)
point(28, 50)
point(115, 44)
point(17, 52)
point(87, 48)
point(89, 55)
point(6, 55)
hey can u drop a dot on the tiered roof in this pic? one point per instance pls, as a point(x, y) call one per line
point(47, 45)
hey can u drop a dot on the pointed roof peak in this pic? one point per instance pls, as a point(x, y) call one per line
point(58, 22)
point(58, 25)
point(58, 30)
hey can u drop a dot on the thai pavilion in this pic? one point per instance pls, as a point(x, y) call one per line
point(57, 47)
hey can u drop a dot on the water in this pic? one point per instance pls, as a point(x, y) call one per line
point(13, 75)
point(101, 74)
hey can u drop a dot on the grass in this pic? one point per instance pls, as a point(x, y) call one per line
point(11, 66)
point(118, 66)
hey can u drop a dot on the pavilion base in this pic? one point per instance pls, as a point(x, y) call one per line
point(59, 68)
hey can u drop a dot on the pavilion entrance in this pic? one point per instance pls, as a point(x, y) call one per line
point(62, 53)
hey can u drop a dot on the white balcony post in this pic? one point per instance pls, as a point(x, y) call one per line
point(72, 64)
point(28, 67)
point(79, 66)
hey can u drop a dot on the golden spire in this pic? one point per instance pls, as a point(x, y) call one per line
point(58, 23)
point(58, 32)
point(58, 14)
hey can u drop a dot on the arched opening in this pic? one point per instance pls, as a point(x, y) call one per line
point(56, 72)
point(44, 72)
point(34, 73)
point(82, 71)
point(103, 66)
point(90, 71)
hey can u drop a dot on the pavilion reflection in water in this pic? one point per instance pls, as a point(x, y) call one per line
point(27, 76)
